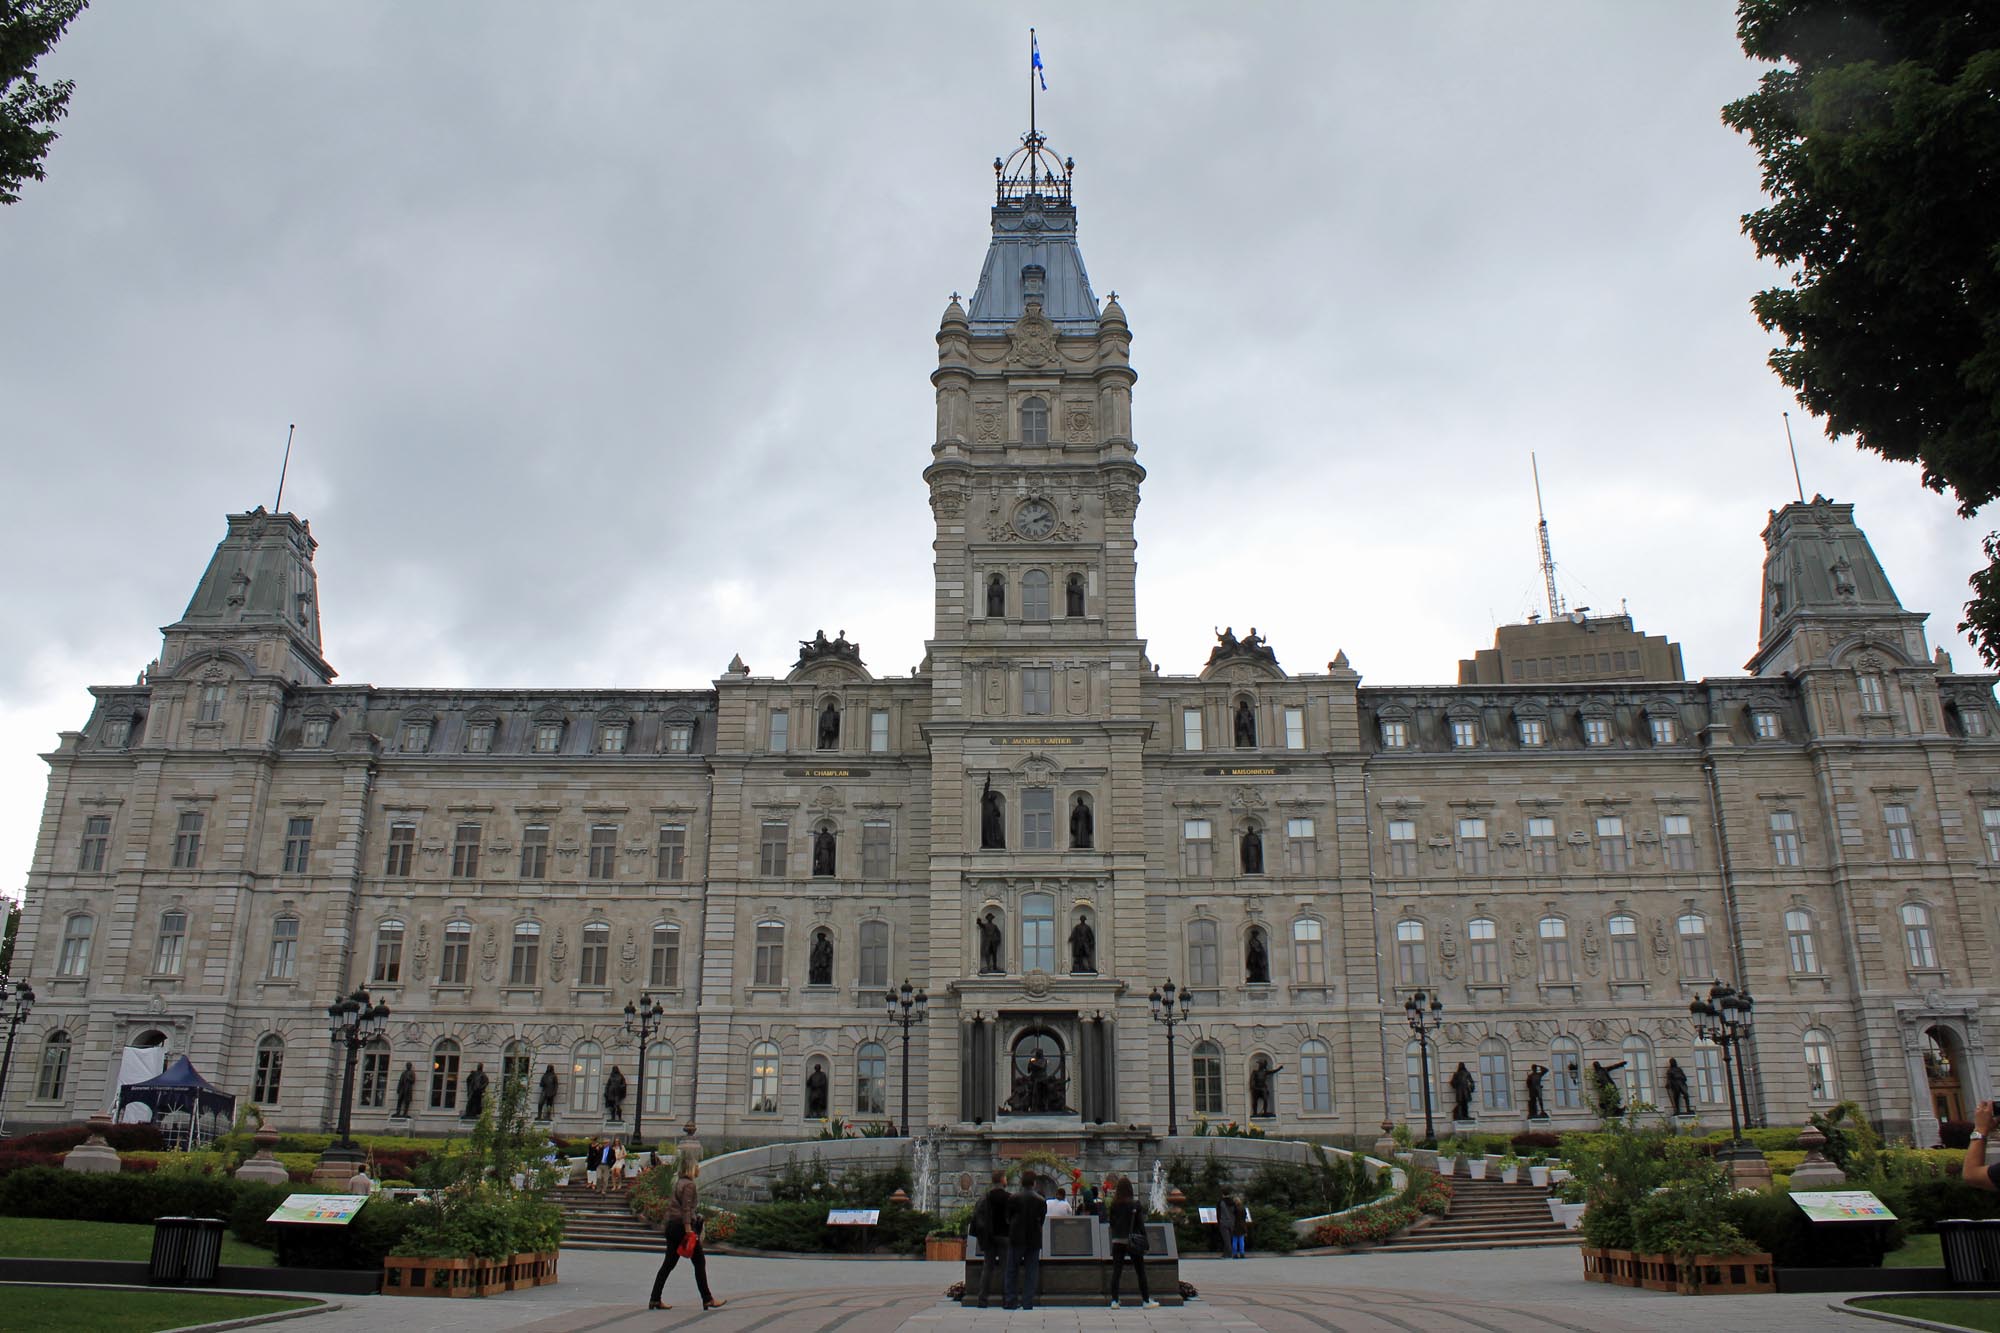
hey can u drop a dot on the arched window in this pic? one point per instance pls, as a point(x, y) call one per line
point(1034, 421)
point(169, 950)
point(375, 1074)
point(456, 955)
point(769, 964)
point(53, 1075)
point(1625, 964)
point(270, 1074)
point(1315, 1077)
point(1035, 595)
point(586, 1076)
point(1207, 1078)
point(524, 963)
point(1554, 934)
point(1482, 947)
point(517, 1060)
point(1038, 932)
point(594, 958)
point(1637, 1053)
point(1801, 941)
point(1412, 954)
point(1496, 1077)
point(1308, 952)
point(284, 948)
point(1413, 1077)
point(1821, 1085)
point(764, 1078)
point(871, 1079)
point(1693, 931)
point(1204, 964)
point(1917, 939)
point(74, 958)
point(444, 1075)
point(388, 968)
point(1709, 1088)
point(657, 1090)
point(664, 967)
point(874, 953)
point(1565, 1074)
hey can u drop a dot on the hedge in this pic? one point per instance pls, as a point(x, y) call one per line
point(800, 1227)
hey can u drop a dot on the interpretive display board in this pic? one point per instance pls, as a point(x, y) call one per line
point(329, 1210)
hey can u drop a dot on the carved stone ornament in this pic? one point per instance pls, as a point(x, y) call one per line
point(489, 953)
point(1121, 501)
point(628, 958)
point(1599, 1029)
point(1038, 984)
point(421, 950)
point(1032, 340)
point(1078, 426)
point(819, 648)
point(1038, 770)
point(987, 429)
point(1248, 799)
point(947, 501)
point(558, 948)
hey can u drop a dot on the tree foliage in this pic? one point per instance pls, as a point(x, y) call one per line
point(1879, 133)
point(29, 108)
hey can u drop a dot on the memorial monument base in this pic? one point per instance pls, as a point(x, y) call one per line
point(1076, 1266)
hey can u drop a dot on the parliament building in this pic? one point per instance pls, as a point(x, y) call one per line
point(1037, 828)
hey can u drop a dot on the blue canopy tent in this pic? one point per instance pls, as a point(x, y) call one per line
point(179, 1089)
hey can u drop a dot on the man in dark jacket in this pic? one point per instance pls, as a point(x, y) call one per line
point(990, 1228)
point(1024, 1246)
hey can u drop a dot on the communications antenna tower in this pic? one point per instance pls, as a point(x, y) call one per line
point(1548, 558)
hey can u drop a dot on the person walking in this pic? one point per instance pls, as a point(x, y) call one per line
point(1128, 1242)
point(683, 1237)
point(990, 1227)
point(618, 1155)
point(1023, 1281)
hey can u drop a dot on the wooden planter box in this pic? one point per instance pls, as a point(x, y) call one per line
point(1659, 1272)
point(1727, 1275)
point(465, 1277)
point(950, 1251)
point(1596, 1266)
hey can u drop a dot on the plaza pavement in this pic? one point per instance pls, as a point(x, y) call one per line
point(1489, 1291)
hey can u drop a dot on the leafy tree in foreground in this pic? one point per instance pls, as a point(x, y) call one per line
point(29, 108)
point(1879, 132)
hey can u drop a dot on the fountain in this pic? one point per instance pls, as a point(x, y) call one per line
point(1156, 1193)
point(926, 1155)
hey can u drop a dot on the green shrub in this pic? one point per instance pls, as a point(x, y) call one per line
point(799, 1226)
point(1619, 1169)
point(1271, 1229)
point(127, 1196)
point(1688, 1215)
point(1772, 1221)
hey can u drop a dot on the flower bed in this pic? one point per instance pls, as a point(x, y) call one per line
point(1376, 1222)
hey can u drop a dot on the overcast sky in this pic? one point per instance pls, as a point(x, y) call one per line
point(607, 330)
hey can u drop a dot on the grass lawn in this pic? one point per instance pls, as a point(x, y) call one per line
point(55, 1238)
point(88, 1310)
point(1922, 1249)
point(1980, 1312)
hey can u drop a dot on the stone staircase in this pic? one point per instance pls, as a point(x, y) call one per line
point(1486, 1215)
point(596, 1221)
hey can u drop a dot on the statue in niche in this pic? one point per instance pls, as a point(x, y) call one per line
point(992, 819)
point(1253, 851)
point(1082, 946)
point(824, 847)
point(1246, 726)
point(1462, 1088)
point(1038, 1088)
point(1538, 1109)
point(1257, 960)
point(829, 727)
point(1073, 599)
point(819, 966)
point(614, 1094)
point(1677, 1089)
point(406, 1088)
point(1082, 824)
point(816, 1093)
point(989, 945)
point(996, 595)
point(1263, 1076)
point(545, 1102)
point(475, 1093)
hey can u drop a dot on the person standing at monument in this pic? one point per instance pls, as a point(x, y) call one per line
point(683, 1237)
point(1225, 1226)
point(1023, 1278)
point(1128, 1243)
point(990, 1220)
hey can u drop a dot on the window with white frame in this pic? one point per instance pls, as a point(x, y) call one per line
point(680, 737)
point(1295, 728)
point(1034, 420)
point(1496, 1079)
point(52, 1074)
point(313, 734)
point(1821, 1085)
point(875, 861)
point(1413, 961)
point(444, 1075)
point(1413, 1077)
point(1197, 848)
point(1544, 853)
point(170, 945)
point(1403, 847)
point(455, 957)
point(1482, 940)
point(1038, 932)
point(1989, 827)
point(671, 863)
point(416, 737)
point(586, 1076)
point(548, 737)
point(1637, 1075)
point(874, 954)
point(780, 733)
point(73, 959)
point(1614, 852)
point(1308, 952)
point(1874, 699)
point(388, 962)
point(374, 1089)
point(266, 1083)
point(118, 733)
point(1693, 931)
point(1203, 953)
point(1532, 732)
point(768, 967)
point(401, 848)
point(611, 738)
point(1464, 734)
point(1801, 941)
point(208, 707)
point(1918, 942)
point(1038, 819)
point(663, 964)
point(479, 738)
point(1470, 846)
point(1553, 933)
point(603, 862)
point(284, 949)
point(1315, 1077)
point(871, 1079)
point(1301, 847)
point(764, 1078)
point(465, 852)
point(1784, 838)
point(1035, 595)
point(1597, 731)
point(298, 844)
point(878, 731)
point(1395, 734)
point(656, 1092)
point(1565, 1074)
point(1973, 721)
point(1037, 690)
point(524, 963)
point(187, 840)
point(1677, 841)
point(594, 958)
point(1624, 931)
point(1709, 1088)
point(773, 846)
point(1190, 728)
point(1902, 835)
point(534, 851)
point(1207, 1078)
point(94, 849)
point(1664, 731)
point(1765, 725)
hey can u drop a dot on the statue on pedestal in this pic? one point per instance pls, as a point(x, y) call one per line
point(545, 1103)
point(992, 819)
point(1610, 1104)
point(475, 1093)
point(989, 945)
point(1462, 1088)
point(406, 1088)
point(1537, 1108)
point(1677, 1089)
point(614, 1094)
point(819, 966)
point(1263, 1075)
point(1082, 824)
point(1082, 947)
point(1257, 960)
point(816, 1093)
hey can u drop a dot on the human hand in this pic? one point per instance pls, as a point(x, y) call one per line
point(1983, 1117)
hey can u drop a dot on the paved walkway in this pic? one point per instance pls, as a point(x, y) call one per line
point(1492, 1291)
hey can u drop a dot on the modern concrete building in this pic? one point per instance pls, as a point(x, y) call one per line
point(1038, 827)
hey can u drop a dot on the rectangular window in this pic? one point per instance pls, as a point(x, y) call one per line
point(1663, 731)
point(1483, 952)
point(878, 731)
point(1035, 596)
point(172, 944)
point(402, 847)
point(875, 849)
point(535, 851)
point(680, 737)
point(1295, 728)
point(456, 954)
point(1471, 847)
point(479, 738)
point(548, 737)
point(770, 961)
point(416, 737)
point(1544, 853)
point(284, 948)
point(1554, 932)
point(1315, 1079)
point(1412, 953)
point(1974, 721)
point(1395, 735)
point(1873, 698)
point(298, 844)
point(594, 959)
point(270, 1072)
point(664, 967)
point(1197, 848)
point(1902, 837)
point(1765, 726)
point(1708, 1086)
point(374, 1090)
point(1596, 731)
point(1301, 848)
point(1496, 1086)
point(1694, 948)
point(1037, 687)
point(1190, 728)
point(1403, 847)
point(774, 840)
point(1464, 735)
point(1784, 838)
point(1989, 824)
point(465, 852)
point(1203, 954)
point(1801, 942)
point(672, 866)
point(1677, 835)
point(388, 953)
point(1533, 733)
point(874, 953)
point(524, 965)
point(603, 851)
point(781, 731)
point(1207, 1082)
point(1308, 953)
point(611, 739)
point(91, 852)
point(1613, 852)
point(209, 709)
point(187, 840)
point(313, 734)
point(1625, 949)
point(1038, 819)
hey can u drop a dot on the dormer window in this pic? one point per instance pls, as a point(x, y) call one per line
point(118, 733)
point(548, 737)
point(1973, 720)
point(1597, 731)
point(1664, 732)
point(611, 738)
point(1034, 421)
point(1534, 733)
point(679, 735)
point(313, 734)
point(1873, 698)
point(1464, 733)
point(209, 707)
point(479, 738)
point(1395, 734)
point(416, 737)
point(1765, 726)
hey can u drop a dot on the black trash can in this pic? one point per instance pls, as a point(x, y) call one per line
point(1971, 1251)
point(186, 1251)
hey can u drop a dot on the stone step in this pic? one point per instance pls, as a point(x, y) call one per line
point(1417, 1246)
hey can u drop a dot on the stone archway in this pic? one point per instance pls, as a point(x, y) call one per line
point(1038, 1074)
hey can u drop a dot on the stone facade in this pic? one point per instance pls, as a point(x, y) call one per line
point(235, 840)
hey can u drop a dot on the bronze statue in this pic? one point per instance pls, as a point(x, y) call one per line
point(475, 1093)
point(1677, 1089)
point(1074, 597)
point(1263, 1101)
point(829, 727)
point(1257, 960)
point(989, 945)
point(823, 851)
point(614, 1094)
point(996, 595)
point(1082, 824)
point(1082, 947)
point(1253, 852)
point(1462, 1088)
point(1246, 726)
point(545, 1103)
point(1610, 1104)
point(819, 965)
point(992, 819)
point(1537, 1108)
point(406, 1088)
point(816, 1094)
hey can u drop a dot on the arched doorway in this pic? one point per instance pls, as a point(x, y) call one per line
point(1944, 1058)
point(1038, 1075)
point(148, 1039)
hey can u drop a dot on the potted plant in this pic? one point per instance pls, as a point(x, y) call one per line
point(1558, 1172)
point(1405, 1141)
point(1538, 1171)
point(1566, 1204)
point(1475, 1161)
point(1447, 1157)
point(1510, 1168)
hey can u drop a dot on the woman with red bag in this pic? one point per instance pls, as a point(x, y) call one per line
point(684, 1240)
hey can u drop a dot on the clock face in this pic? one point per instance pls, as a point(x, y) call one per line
point(1035, 519)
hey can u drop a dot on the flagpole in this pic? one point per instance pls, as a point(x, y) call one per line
point(1031, 81)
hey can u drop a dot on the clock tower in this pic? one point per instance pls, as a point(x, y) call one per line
point(1039, 931)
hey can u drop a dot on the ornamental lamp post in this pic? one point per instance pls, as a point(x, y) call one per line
point(1426, 1014)
point(21, 996)
point(351, 1022)
point(906, 1009)
point(1723, 1018)
point(642, 1020)
point(1164, 1012)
